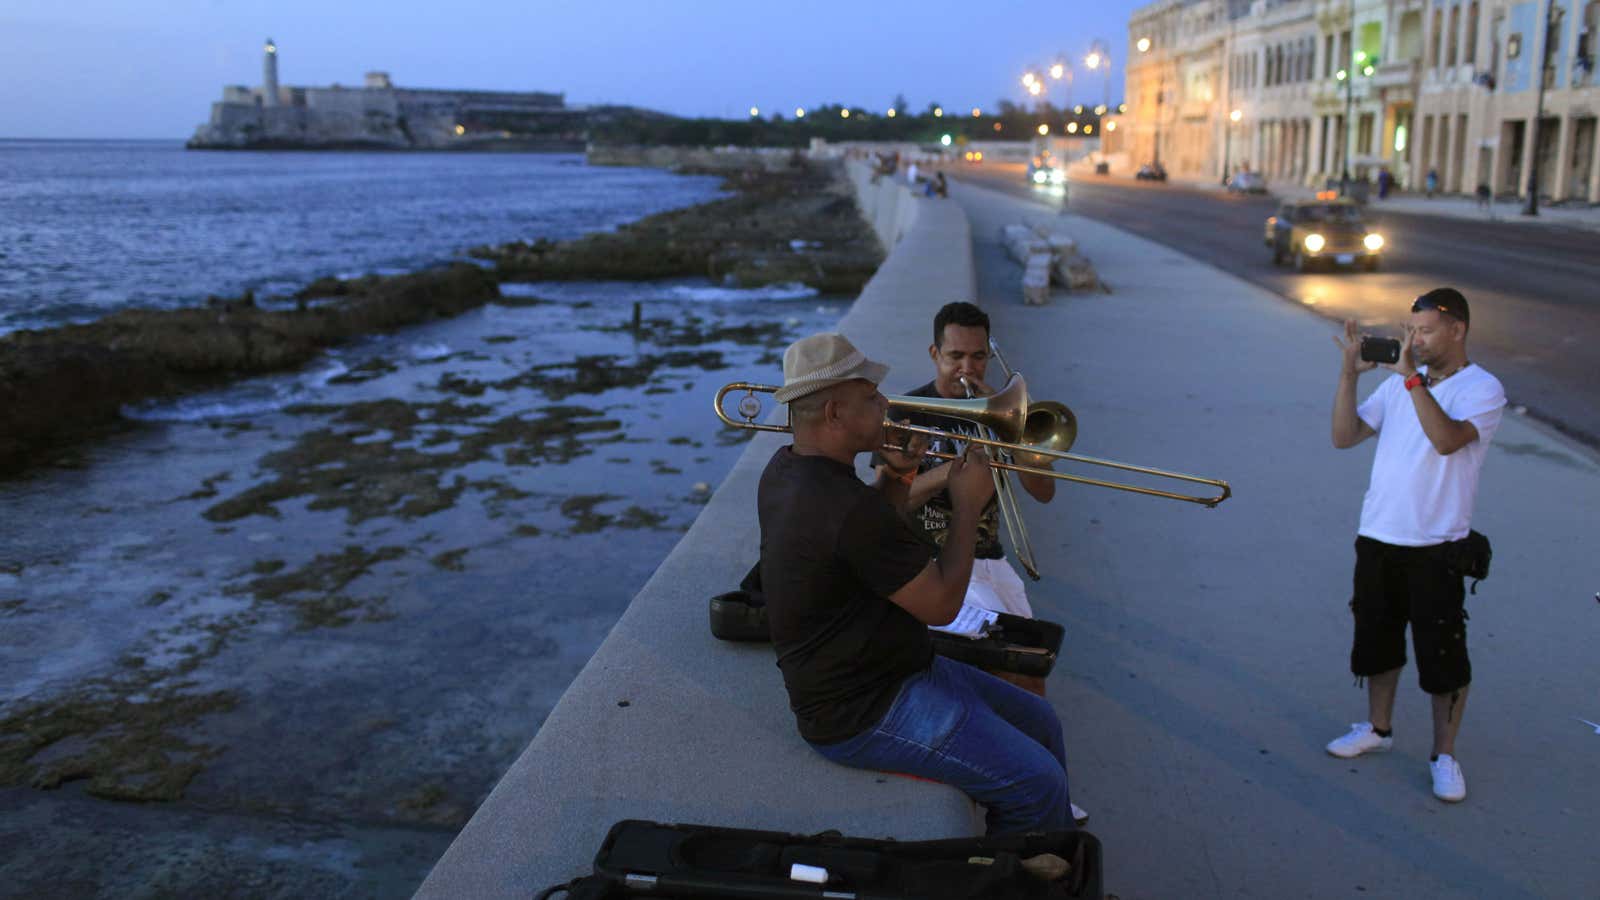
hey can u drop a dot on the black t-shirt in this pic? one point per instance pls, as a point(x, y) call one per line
point(934, 516)
point(832, 551)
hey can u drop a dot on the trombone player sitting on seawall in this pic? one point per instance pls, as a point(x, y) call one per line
point(851, 589)
point(961, 352)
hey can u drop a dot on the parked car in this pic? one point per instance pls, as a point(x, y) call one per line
point(1151, 172)
point(1308, 232)
point(1247, 183)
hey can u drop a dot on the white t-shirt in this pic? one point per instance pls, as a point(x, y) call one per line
point(1417, 497)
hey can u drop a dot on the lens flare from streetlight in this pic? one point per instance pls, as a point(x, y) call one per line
point(1144, 45)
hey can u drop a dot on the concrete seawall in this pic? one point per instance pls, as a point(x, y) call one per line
point(668, 723)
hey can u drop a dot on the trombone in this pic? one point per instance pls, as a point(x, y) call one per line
point(1018, 427)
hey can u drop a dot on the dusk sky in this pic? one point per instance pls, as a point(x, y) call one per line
point(114, 68)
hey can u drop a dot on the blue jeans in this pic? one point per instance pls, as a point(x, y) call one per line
point(998, 743)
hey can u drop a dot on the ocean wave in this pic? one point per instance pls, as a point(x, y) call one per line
point(789, 290)
point(252, 398)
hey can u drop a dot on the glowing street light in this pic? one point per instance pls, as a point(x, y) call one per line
point(799, 112)
point(893, 112)
point(755, 111)
point(1088, 129)
point(1092, 60)
point(1058, 70)
point(1143, 45)
point(1072, 128)
point(1078, 109)
point(1111, 126)
point(1028, 79)
point(1100, 110)
point(1341, 75)
point(1236, 115)
point(844, 113)
point(1044, 129)
point(1035, 88)
point(938, 112)
point(976, 112)
point(944, 139)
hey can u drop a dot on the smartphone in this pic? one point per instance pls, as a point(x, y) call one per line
point(1380, 350)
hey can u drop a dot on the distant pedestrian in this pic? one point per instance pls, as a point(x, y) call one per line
point(911, 174)
point(1486, 199)
point(1434, 425)
point(938, 187)
point(1433, 182)
point(1385, 182)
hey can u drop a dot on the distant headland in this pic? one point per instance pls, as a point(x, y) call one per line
point(380, 116)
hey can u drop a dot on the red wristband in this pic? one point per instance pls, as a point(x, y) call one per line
point(1415, 380)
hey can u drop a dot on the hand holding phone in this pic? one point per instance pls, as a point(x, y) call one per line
point(1380, 350)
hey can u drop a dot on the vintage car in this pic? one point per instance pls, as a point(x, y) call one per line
point(1332, 231)
point(1151, 172)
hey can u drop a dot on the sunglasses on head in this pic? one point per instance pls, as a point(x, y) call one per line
point(1445, 309)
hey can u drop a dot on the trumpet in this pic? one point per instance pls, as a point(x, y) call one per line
point(1043, 429)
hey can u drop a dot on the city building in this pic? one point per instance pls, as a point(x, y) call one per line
point(1318, 92)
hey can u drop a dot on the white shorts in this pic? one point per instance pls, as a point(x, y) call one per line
point(995, 586)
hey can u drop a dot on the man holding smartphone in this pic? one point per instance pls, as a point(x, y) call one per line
point(1434, 418)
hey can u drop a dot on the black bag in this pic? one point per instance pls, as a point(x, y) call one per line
point(702, 861)
point(1469, 558)
point(1016, 643)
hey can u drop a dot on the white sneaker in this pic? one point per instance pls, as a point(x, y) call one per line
point(1448, 783)
point(1361, 739)
point(1078, 815)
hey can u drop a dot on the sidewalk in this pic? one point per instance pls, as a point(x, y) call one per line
point(1205, 664)
point(1455, 206)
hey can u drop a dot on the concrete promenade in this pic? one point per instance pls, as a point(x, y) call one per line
point(1205, 659)
point(1205, 664)
point(668, 723)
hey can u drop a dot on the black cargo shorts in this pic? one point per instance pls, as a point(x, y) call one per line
point(1396, 586)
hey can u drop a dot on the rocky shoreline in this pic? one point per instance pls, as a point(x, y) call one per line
point(61, 386)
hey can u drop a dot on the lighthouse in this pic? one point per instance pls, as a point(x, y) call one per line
point(269, 74)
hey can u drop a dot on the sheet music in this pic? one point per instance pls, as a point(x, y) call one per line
point(972, 622)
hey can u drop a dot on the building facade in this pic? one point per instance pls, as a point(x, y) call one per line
point(1313, 92)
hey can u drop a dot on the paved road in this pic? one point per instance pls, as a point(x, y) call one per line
point(1535, 289)
point(1205, 663)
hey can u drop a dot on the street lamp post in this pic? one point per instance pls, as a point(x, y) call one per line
point(1366, 65)
point(1161, 91)
point(1532, 207)
point(1227, 142)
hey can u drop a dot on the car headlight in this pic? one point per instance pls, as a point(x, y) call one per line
point(1374, 241)
point(1057, 176)
point(1314, 242)
point(1039, 177)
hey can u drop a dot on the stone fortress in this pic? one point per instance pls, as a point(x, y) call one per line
point(380, 116)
